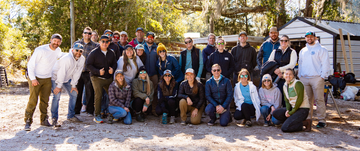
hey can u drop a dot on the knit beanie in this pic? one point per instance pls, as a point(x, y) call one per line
point(160, 48)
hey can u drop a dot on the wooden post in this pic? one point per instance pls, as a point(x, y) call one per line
point(72, 22)
point(343, 50)
point(350, 54)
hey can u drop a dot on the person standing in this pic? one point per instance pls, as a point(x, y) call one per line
point(191, 58)
point(66, 73)
point(219, 93)
point(139, 39)
point(244, 56)
point(101, 62)
point(123, 41)
point(207, 51)
point(268, 46)
point(314, 66)
point(140, 52)
point(113, 46)
point(39, 70)
point(94, 36)
point(167, 62)
point(84, 81)
point(223, 58)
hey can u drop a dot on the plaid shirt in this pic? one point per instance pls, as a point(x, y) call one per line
point(119, 97)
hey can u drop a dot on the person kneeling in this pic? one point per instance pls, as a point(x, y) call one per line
point(167, 91)
point(218, 92)
point(192, 97)
point(143, 91)
point(119, 99)
point(246, 99)
point(297, 105)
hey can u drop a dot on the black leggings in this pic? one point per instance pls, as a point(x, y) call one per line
point(247, 110)
point(138, 104)
point(294, 122)
point(168, 106)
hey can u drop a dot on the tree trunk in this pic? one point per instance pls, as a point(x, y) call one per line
point(281, 17)
point(308, 8)
point(211, 23)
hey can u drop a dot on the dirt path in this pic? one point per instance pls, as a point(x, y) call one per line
point(152, 135)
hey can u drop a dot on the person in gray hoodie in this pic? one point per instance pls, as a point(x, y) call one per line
point(270, 97)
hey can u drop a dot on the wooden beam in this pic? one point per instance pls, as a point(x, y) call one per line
point(343, 50)
point(350, 53)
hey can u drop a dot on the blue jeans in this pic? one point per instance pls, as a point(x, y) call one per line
point(56, 99)
point(119, 112)
point(224, 118)
point(265, 111)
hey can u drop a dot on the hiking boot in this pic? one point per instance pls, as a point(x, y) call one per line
point(27, 125)
point(74, 119)
point(45, 123)
point(266, 124)
point(98, 119)
point(55, 122)
point(110, 119)
point(211, 122)
point(183, 123)
point(307, 123)
point(139, 117)
point(83, 108)
point(115, 119)
point(320, 125)
point(103, 115)
point(172, 119)
point(248, 123)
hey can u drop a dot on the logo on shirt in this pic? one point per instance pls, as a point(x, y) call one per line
point(226, 58)
point(312, 52)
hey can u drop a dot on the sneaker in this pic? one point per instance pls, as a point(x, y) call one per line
point(183, 123)
point(307, 123)
point(266, 124)
point(248, 123)
point(172, 119)
point(55, 123)
point(110, 119)
point(83, 108)
point(320, 125)
point(98, 119)
point(115, 119)
point(74, 119)
point(211, 122)
point(27, 125)
point(45, 123)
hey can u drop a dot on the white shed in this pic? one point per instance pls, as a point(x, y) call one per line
point(328, 34)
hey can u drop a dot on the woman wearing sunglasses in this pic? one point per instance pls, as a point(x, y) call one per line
point(246, 99)
point(167, 62)
point(221, 57)
point(285, 57)
point(270, 97)
point(129, 63)
point(297, 105)
point(143, 91)
point(167, 92)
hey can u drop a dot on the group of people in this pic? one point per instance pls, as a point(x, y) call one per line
point(116, 79)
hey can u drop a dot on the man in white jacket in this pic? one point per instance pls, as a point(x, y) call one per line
point(66, 73)
point(314, 66)
point(39, 72)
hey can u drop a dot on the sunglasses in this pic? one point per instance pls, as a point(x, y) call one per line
point(105, 41)
point(89, 33)
point(267, 80)
point(167, 75)
point(243, 76)
point(142, 72)
point(116, 37)
point(187, 42)
point(221, 43)
point(150, 37)
point(79, 50)
point(284, 40)
point(216, 70)
point(110, 35)
point(162, 51)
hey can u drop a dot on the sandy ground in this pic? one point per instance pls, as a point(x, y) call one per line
point(151, 135)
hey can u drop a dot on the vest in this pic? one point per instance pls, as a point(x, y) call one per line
point(195, 57)
point(283, 58)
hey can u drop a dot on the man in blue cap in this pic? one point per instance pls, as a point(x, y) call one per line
point(113, 46)
point(65, 74)
point(139, 37)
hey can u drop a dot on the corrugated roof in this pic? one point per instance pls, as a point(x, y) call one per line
point(347, 27)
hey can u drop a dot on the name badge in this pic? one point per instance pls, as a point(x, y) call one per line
point(226, 58)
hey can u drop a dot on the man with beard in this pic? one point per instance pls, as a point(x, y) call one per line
point(84, 80)
point(39, 70)
point(207, 51)
point(139, 39)
point(268, 46)
point(123, 41)
point(66, 73)
point(113, 46)
point(314, 66)
point(150, 64)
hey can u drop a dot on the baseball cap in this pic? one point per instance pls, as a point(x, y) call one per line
point(190, 70)
point(57, 36)
point(104, 37)
point(139, 28)
point(117, 32)
point(142, 68)
point(108, 30)
point(273, 29)
point(150, 33)
point(167, 72)
point(128, 46)
point(123, 33)
point(310, 33)
point(139, 46)
point(78, 46)
point(243, 32)
point(266, 77)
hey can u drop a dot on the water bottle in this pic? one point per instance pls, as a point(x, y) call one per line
point(164, 118)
